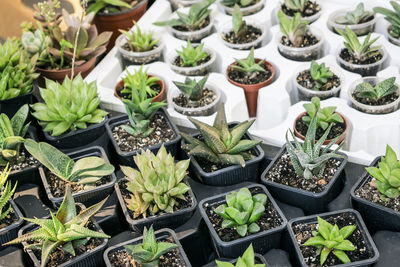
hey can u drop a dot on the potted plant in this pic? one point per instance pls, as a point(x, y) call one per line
point(376, 193)
point(191, 24)
point(222, 154)
point(248, 259)
point(375, 95)
point(160, 248)
point(87, 172)
point(306, 175)
point(176, 4)
point(157, 193)
point(361, 58)
point(195, 98)
point(115, 15)
point(66, 237)
point(317, 81)
point(247, 7)
point(137, 47)
point(359, 20)
point(393, 17)
point(238, 218)
point(309, 10)
point(338, 238)
point(251, 74)
point(240, 34)
point(325, 117)
point(296, 41)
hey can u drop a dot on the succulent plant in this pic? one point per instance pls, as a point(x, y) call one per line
point(66, 230)
point(325, 116)
point(192, 89)
point(149, 252)
point(68, 106)
point(85, 171)
point(320, 74)
point(35, 43)
point(242, 210)
point(221, 145)
point(296, 5)
point(239, 25)
point(360, 51)
point(248, 65)
point(294, 29)
point(96, 6)
point(246, 260)
point(387, 175)
point(356, 16)
point(139, 41)
point(240, 3)
point(157, 184)
point(382, 89)
point(132, 82)
point(6, 192)
point(329, 238)
point(192, 56)
point(392, 16)
point(12, 133)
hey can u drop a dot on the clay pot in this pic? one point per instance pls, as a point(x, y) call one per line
point(158, 98)
point(251, 90)
point(302, 137)
point(119, 21)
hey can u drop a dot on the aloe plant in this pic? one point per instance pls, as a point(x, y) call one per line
point(191, 56)
point(6, 192)
point(246, 260)
point(139, 41)
point(133, 81)
point(294, 29)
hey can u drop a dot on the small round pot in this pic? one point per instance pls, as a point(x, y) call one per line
point(302, 53)
point(311, 19)
point(395, 41)
point(359, 29)
point(248, 10)
point(327, 141)
point(383, 109)
point(199, 70)
point(251, 90)
point(157, 98)
point(183, 3)
point(122, 20)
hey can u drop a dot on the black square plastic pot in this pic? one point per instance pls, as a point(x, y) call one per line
point(126, 158)
point(10, 232)
point(230, 175)
point(313, 219)
point(160, 234)
point(310, 202)
point(87, 197)
point(11, 106)
point(376, 216)
point(170, 220)
point(262, 241)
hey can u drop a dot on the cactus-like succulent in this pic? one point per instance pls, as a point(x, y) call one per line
point(296, 5)
point(157, 184)
point(192, 89)
point(249, 64)
point(6, 192)
point(392, 16)
point(66, 230)
point(325, 116)
point(242, 210)
point(356, 16)
point(382, 89)
point(191, 56)
point(294, 29)
point(239, 25)
point(132, 82)
point(246, 260)
point(139, 41)
point(68, 106)
point(220, 144)
point(320, 74)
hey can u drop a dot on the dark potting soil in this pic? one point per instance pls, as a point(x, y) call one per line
point(127, 47)
point(269, 220)
point(207, 98)
point(336, 130)
point(181, 204)
point(251, 35)
point(310, 9)
point(249, 78)
point(121, 258)
point(303, 232)
point(283, 172)
point(380, 102)
point(305, 79)
point(156, 87)
point(347, 56)
point(202, 25)
point(309, 40)
point(162, 133)
point(179, 62)
point(28, 162)
point(369, 192)
point(10, 219)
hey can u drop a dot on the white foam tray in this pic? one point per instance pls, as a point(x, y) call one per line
point(278, 105)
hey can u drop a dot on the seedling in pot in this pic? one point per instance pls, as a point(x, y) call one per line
point(357, 16)
point(320, 74)
point(133, 82)
point(294, 30)
point(139, 41)
point(239, 25)
point(325, 116)
point(6, 193)
point(393, 17)
point(246, 260)
point(113, 6)
point(66, 230)
point(306, 8)
point(191, 56)
point(192, 89)
point(296, 5)
point(239, 3)
point(367, 93)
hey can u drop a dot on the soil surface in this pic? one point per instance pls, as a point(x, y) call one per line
point(10, 219)
point(283, 172)
point(309, 40)
point(380, 102)
point(249, 78)
point(28, 162)
point(207, 98)
point(202, 25)
point(162, 133)
point(179, 62)
point(251, 35)
point(269, 220)
point(336, 130)
point(310, 9)
point(128, 48)
point(347, 56)
point(303, 232)
point(305, 79)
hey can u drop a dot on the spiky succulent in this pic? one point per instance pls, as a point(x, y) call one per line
point(85, 171)
point(157, 184)
point(149, 252)
point(356, 16)
point(296, 5)
point(392, 16)
point(246, 260)
point(66, 230)
point(320, 74)
point(249, 64)
point(192, 89)
point(132, 82)
point(387, 175)
point(139, 41)
point(69, 106)
point(192, 56)
point(12, 134)
point(96, 6)
point(239, 25)
point(325, 116)
point(294, 29)
point(220, 144)
point(6, 192)
point(329, 238)
point(240, 3)
point(242, 210)
point(382, 89)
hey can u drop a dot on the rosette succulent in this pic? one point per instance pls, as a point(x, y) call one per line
point(246, 260)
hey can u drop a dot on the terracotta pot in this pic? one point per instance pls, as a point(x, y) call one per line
point(251, 90)
point(119, 21)
point(302, 137)
point(59, 75)
point(157, 98)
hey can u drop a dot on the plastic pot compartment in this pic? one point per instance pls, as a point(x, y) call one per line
point(358, 29)
point(310, 202)
point(199, 70)
point(160, 234)
point(382, 109)
point(248, 10)
point(11, 106)
point(10, 232)
point(262, 241)
point(312, 219)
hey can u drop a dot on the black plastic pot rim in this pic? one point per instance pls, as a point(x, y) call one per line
point(299, 190)
point(19, 216)
point(252, 236)
point(15, 98)
point(122, 12)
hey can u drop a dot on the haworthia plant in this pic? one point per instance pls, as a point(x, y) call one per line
point(192, 89)
point(6, 192)
point(246, 260)
point(380, 90)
